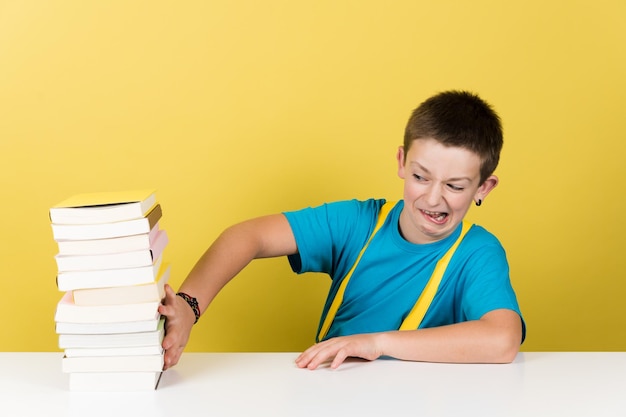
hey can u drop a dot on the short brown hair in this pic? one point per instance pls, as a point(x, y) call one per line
point(460, 119)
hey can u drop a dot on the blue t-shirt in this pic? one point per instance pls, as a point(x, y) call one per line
point(393, 272)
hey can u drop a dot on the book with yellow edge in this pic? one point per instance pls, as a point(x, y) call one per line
point(108, 230)
point(103, 207)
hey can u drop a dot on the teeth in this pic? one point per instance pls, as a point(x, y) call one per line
point(436, 215)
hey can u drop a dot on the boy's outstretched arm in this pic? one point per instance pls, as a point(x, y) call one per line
point(262, 237)
point(495, 338)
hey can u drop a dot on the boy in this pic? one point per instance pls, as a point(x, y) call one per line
point(451, 148)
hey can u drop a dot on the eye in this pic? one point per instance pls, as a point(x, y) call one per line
point(418, 177)
point(455, 187)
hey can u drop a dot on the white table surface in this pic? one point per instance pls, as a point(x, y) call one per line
point(269, 384)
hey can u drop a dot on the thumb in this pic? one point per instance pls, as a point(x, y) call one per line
point(170, 296)
point(168, 301)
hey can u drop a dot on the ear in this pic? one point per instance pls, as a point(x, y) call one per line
point(485, 188)
point(400, 158)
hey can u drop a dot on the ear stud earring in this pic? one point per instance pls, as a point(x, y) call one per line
point(479, 202)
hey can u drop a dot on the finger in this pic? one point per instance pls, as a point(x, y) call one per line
point(320, 356)
point(170, 359)
point(173, 350)
point(165, 310)
point(301, 358)
point(318, 360)
point(305, 357)
point(168, 341)
point(340, 357)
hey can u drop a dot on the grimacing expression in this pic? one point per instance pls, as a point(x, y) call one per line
point(440, 184)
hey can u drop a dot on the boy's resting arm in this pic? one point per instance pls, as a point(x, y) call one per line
point(262, 237)
point(494, 338)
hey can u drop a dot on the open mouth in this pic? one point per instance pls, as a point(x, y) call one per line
point(435, 216)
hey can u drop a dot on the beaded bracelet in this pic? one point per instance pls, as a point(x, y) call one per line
point(193, 303)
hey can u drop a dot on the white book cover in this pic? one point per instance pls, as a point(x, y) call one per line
point(113, 381)
point(109, 328)
point(69, 312)
point(119, 260)
point(119, 340)
point(115, 351)
point(154, 291)
point(104, 278)
point(140, 363)
point(110, 245)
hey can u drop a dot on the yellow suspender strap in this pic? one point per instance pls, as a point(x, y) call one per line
point(415, 317)
point(332, 311)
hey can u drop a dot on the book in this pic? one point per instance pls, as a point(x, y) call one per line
point(69, 312)
point(74, 280)
point(109, 245)
point(119, 260)
point(116, 351)
point(131, 294)
point(137, 363)
point(103, 207)
point(107, 230)
point(113, 381)
point(108, 328)
point(114, 340)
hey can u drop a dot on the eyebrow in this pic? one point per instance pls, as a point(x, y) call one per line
point(423, 168)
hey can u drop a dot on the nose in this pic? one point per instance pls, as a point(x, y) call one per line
point(433, 195)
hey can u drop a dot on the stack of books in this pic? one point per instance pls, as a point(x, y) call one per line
point(111, 271)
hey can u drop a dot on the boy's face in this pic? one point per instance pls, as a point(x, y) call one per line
point(440, 184)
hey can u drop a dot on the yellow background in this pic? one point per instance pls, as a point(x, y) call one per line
point(234, 109)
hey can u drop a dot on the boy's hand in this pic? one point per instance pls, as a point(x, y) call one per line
point(338, 349)
point(179, 319)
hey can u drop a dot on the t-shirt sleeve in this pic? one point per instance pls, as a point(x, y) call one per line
point(328, 234)
point(313, 239)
